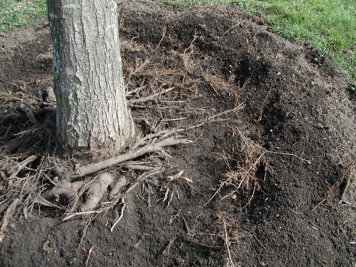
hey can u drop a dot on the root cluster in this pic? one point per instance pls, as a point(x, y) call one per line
point(160, 92)
point(243, 176)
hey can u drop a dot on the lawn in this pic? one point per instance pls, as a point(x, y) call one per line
point(328, 26)
point(19, 13)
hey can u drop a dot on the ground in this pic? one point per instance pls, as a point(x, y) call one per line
point(267, 182)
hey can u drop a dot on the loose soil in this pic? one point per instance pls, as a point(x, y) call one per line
point(269, 184)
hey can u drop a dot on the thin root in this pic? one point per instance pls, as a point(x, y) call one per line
point(121, 215)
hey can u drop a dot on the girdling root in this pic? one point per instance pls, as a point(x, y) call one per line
point(84, 188)
point(69, 186)
point(84, 195)
point(28, 186)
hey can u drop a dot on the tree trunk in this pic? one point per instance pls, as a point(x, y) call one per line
point(88, 81)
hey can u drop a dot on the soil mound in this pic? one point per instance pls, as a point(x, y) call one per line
point(268, 180)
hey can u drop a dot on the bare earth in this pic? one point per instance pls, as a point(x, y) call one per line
point(268, 184)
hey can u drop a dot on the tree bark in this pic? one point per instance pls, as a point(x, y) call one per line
point(88, 80)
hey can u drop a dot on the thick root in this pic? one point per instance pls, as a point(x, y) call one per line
point(97, 190)
point(117, 187)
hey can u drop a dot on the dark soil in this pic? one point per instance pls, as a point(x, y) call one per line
point(294, 139)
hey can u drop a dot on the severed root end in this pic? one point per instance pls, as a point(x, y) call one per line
point(97, 190)
point(64, 188)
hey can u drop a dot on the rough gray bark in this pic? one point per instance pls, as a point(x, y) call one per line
point(88, 81)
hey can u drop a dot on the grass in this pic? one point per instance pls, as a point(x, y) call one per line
point(187, 3)
point(20, 13)
point(328, 26)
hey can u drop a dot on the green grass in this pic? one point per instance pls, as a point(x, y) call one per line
point(20, 13)
point(326, 25)
point(187, 3)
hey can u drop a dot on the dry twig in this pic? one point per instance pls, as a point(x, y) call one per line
point(19, 167)
point(170, 244)
point(150, 97)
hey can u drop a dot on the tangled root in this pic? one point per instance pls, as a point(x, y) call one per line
point(96, 191)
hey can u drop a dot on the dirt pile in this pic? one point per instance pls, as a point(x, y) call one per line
point(273, 152)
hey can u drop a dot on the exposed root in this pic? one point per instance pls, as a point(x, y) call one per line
point(143, 177)
point(252, 195)
point(68, 186)
point(97, 190)
point(88, 258)
point(41, 201)
point(149, 148)
point(150, 97)
point(227, 243)
point(168, 248)
point(5, 220)
point(19, 187)
point(121, 215)
point(244, 177)
point(163, 36)
point(179, 175)
point(133, 165)
point(20, 167)
point(65, 188)
point(111, 204)
point(158, 88)
point(86, 224)
point(73, 190)
point(139, 68)
point(114, 193)
point(252, 156)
